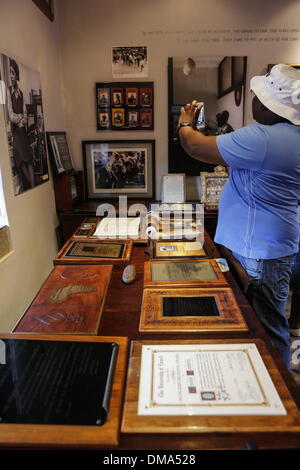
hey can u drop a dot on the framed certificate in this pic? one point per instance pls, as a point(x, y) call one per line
point(183, 273)
point(206, 386)
point(190, 310)
point(93, 251)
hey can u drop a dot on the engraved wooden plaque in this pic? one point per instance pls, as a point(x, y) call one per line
point(67, 436)
point(91, 251)
point(213, 423)
point(70, 301)
point(193, 310)
point(183, 273)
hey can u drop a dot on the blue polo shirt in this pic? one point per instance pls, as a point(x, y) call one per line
point(258, 205)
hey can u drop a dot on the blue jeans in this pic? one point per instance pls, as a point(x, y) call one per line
point(295, 277)
point(268, 292)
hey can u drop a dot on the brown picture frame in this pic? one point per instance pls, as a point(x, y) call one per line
point(206, 425)
point(152, 320)
point(62, 258)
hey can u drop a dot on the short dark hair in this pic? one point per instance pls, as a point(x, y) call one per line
point(15, 66)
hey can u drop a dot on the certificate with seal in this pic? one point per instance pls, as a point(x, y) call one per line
point(206, 379)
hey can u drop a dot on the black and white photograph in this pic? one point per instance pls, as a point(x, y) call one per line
point(24, 121)
point(119, 168)
point(131, 62)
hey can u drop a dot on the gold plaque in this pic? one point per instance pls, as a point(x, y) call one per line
point(179, 249)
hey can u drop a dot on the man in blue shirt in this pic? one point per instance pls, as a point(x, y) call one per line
point(258, 207)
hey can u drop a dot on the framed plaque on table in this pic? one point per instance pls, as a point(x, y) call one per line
point(61, 391)
point(190, 310)
point(206, 386)
point(93, 251)
point(174, 249)
point(183, 273)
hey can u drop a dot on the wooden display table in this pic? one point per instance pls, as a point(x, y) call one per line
point(121, 317)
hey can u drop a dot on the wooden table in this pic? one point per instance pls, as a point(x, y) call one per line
point(121, 316)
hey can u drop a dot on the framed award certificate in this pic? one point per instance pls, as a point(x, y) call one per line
point(206, 386)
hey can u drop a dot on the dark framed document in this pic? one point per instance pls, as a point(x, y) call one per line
point(93, 251)
point(59, 152)
point(71, 301)
point(206, 386)
point(190, 310)
point(61, 392)
point(183, 273)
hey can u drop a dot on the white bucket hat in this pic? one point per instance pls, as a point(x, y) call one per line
point(279, 91)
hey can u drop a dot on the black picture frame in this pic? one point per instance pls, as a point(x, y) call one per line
point(114, 168)
point(124, 106)
point(59, 152)
point(46, 6)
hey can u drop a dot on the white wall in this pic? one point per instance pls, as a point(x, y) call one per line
point(169, 28)
point(28, 36)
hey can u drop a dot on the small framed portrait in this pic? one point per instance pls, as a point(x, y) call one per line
point(132, 96)
point(132, 118)
point(104, 120)
point(147, 118)
point(146, 96)
point(117, 98)
point(118, 117)
point(103, 97)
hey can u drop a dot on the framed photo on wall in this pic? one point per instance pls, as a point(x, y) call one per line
point(124, 106)
point(119, 168)
point(59, 152)
point(24, 122)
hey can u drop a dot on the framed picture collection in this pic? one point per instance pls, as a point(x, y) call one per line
point(124, 106)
